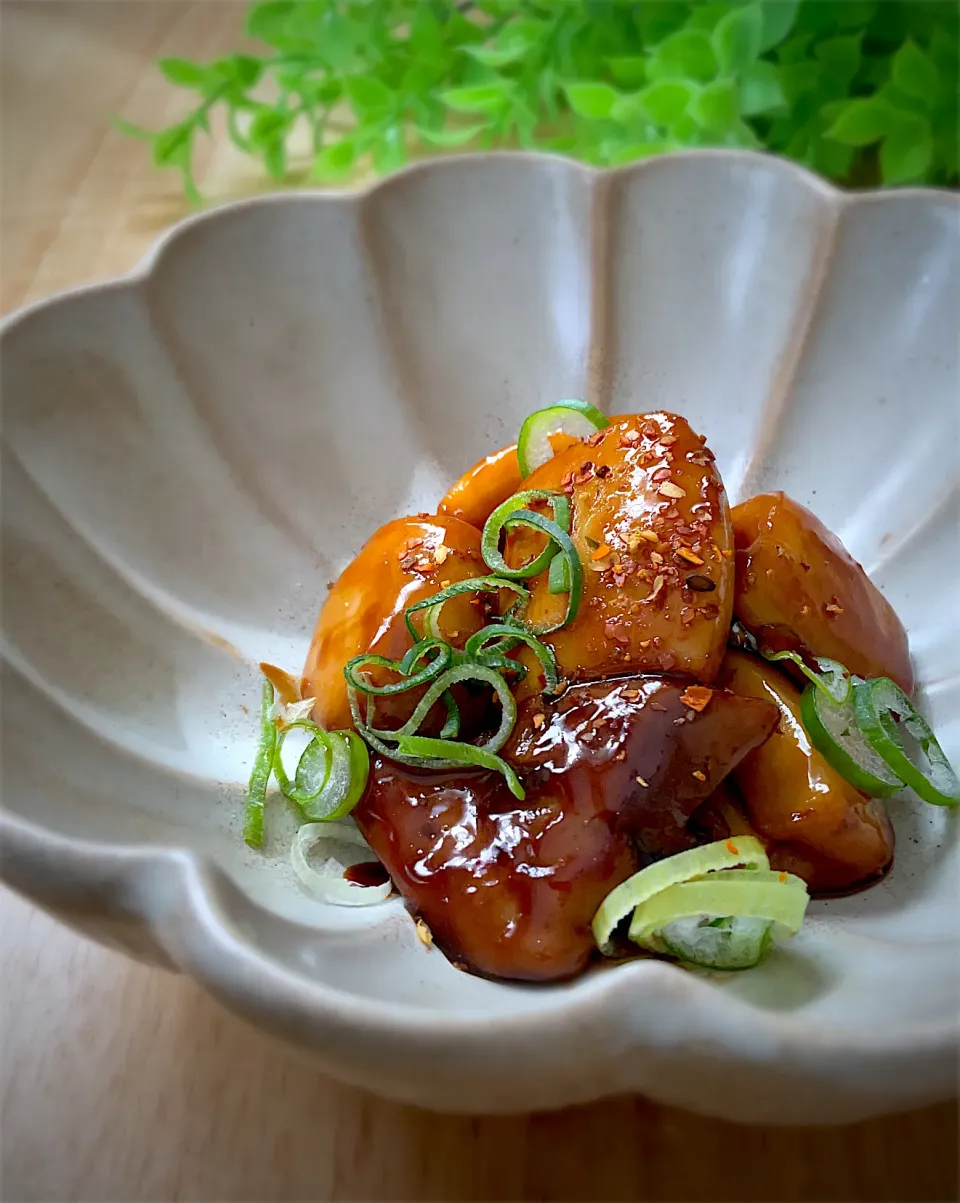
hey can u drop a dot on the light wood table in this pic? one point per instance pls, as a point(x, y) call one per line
point(124, 1083)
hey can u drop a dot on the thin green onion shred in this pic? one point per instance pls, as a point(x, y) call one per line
point(574, 569)
point(441, 753)
point(504, 636)
point(476, 584)
point(433, 669)
point(504, 517)
point(833, 678)
point(260, 773)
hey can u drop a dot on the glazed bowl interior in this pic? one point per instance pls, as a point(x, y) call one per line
point(192, 453)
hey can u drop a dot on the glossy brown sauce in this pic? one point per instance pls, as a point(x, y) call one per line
point(367, 873)
point(510, 887)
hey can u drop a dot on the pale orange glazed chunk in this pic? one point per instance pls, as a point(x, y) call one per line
point(820, 826)
point(652, 527)
point(478, 492)
point(405, 561)
point(798, 588)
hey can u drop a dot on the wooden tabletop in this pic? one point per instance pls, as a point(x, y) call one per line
point(125, 1083)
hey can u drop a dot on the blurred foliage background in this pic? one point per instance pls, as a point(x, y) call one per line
point(863, 91)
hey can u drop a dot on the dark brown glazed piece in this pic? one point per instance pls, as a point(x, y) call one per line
point(652, 528)
point(612, 772)
point(799, 589)
point(402, 563)
point(813, 821)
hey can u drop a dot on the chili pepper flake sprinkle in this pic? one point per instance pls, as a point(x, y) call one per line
point(697, 697)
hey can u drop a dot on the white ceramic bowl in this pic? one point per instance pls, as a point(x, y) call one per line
point(192, 452)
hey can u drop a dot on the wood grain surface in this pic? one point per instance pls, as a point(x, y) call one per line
point(122, 1083)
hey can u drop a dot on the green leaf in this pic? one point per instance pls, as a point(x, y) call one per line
point(665, 101)
point(485, 98)
point(831, 159)
point(275, 158)
point(687, 54)
point(133, 131)
point(185, 74)
point(335, 159)
point(632, 151)
point(863, 122)
point(270, 22)
point(171, 146)
point(686, 131)
point(760, 89)
point(451, 137)
point(268, 126)
point(368, 96)
point(629, 71)
point(594, 101)
point(778, 18)
point(907, 152)
point(914, 72)
point(389, 153)
point(841, 55)
point(241, 69)
point(493, 56)
point(717, 107)
point(736, 39)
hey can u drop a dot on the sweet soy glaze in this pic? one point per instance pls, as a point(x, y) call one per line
point(659, 737)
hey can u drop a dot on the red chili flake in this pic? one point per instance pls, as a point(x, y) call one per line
point(645, 643)
point(630, 436)
point(697, 697)
point(666, 660)
point(832, 608)
point(618, 579)
point(538, 721)
point(604, 471)
point(650, 429)
point(668, 439)
point(781, 877)
point(660, 474)
point(732, 848)
point(594, 439)
point(330, 584)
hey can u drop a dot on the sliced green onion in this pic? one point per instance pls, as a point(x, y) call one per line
point(453, 676)
point(436, 666)
point(509, 637)
point(835, 732)
point(778, 900)
point(728, 942)
point(745, 850)
point(579, 419)
point(574, 571)
point(476, 584)
point(558, 579)
point(503, 517)
point(442, 754)
point(331, 773)
point(879, 704)
point(327, 881)
point(833, 679)
point(260, 773)
point(313, 767)
point(451, 725)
